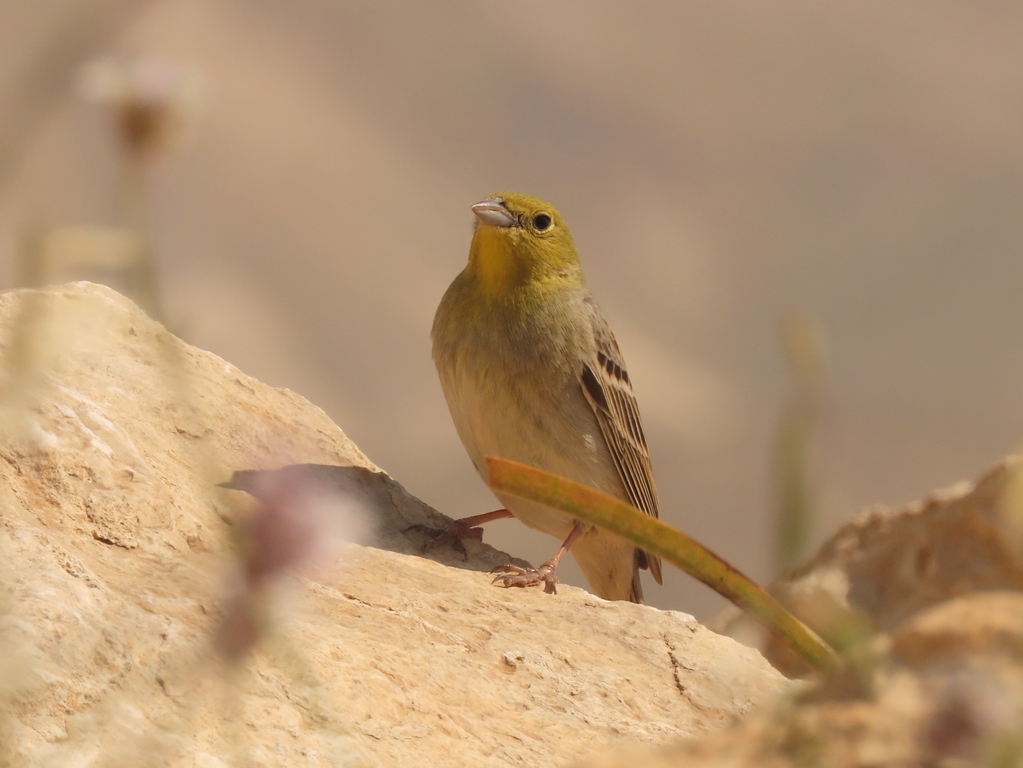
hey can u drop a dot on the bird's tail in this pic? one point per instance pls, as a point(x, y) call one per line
point(636, 593)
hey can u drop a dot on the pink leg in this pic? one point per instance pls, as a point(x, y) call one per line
point(513, 576)
point(466, 528)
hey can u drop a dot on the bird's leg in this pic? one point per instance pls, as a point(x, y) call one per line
point(513, 576)
point(466, 528)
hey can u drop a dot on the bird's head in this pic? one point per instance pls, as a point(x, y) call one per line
point(520, 239)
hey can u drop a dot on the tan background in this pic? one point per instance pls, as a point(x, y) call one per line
point(718, 162)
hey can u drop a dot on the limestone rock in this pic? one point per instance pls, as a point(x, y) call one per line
point(886, 565)
point(978, 626)
point(950, 694)
point(118, 549)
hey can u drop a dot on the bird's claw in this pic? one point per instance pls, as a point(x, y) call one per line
point(514, 576)
point(454, 533)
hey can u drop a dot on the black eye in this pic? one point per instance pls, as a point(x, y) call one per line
point(542, 222)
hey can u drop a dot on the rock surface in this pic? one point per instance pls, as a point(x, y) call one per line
point(976, 627)
point(951, 694)
point(118, 550)
point(886, 565)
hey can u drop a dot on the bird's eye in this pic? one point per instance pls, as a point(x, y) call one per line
point(542, 222)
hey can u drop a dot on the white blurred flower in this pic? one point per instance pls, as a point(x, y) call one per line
point(153, 101)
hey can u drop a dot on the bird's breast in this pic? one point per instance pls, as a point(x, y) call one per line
point(526, 406)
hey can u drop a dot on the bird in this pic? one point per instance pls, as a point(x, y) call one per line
point(532, 373)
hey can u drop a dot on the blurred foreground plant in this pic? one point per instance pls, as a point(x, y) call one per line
point(1010, 507)
point(80, 31)
point(151, 105)
point(796, 504)
point(295, 525)
point(660, 539)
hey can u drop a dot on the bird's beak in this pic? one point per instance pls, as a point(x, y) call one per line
point(493, 213)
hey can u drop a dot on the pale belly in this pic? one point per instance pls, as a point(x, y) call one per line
point(496, 418)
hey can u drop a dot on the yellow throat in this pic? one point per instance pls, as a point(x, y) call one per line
point(520, 239)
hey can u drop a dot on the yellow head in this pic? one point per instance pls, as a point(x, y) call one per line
point(520, 240)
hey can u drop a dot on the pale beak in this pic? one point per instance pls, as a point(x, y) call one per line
point(493, 213)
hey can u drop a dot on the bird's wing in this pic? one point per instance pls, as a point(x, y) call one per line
point(605, 382)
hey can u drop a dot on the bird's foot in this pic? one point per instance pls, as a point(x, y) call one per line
point(466, 528)
point(454, 533)
point(513, 576)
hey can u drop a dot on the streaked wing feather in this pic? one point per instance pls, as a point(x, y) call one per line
point(606, 385)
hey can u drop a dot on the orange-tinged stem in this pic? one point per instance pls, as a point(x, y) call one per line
point(658, 538)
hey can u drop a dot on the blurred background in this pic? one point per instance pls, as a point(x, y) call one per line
point(853, 166)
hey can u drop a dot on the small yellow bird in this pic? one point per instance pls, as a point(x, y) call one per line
point(532, 373)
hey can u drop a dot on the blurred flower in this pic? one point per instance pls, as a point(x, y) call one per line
point(297, 524)
point(153, 102)
point(298, 520)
